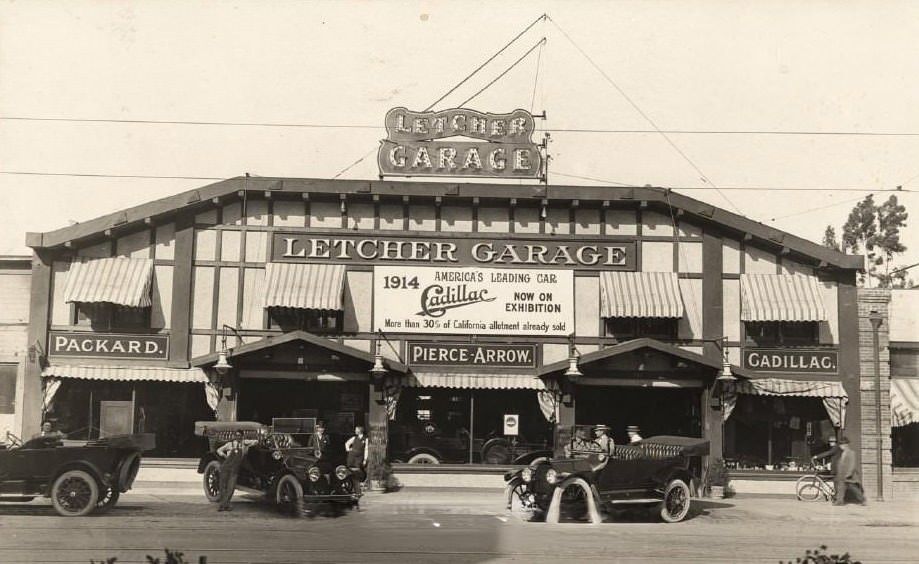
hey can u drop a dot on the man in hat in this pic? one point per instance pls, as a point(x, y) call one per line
point(233, 454)
point(847, 476)
point(832, 453)
point(634, 437)
point(319, 442)
point(604, 441)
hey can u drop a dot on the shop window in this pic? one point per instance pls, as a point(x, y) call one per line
point(783, 333)
point(626, 328)
point(104, 316)
point(776, 433)
point(311, 320)
point(905, 444)
point(7, 389)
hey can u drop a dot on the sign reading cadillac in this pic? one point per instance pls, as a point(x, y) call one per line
point(473, 301)
point(606, 255)
point(790, 360)
point(415, 146)
point(498, 355)
point(154, 347)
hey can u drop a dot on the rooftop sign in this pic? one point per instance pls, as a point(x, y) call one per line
point(421, 144)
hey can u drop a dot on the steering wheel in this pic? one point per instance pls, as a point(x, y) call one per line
point(13, 440)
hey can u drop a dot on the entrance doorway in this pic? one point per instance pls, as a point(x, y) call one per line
point(656, 411)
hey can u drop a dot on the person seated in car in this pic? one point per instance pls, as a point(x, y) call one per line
point(634, 437)
point(48, 435)
point(580, 445)
point(603, 441)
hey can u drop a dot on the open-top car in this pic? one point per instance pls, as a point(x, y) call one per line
point(285, 472)
point(660, 471)
point(78, 476)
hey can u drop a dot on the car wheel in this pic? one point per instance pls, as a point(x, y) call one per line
point(497, 453)
point(129, 468)
point(212, 481)
point(108, 499)
point(74, 493)
point(675, 506)
point(423, 458)
point(289, 494)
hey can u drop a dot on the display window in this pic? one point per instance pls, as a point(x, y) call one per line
point(104, 316)
point(627, 328)
point(782, 333)
point(311, 320)
point(905, 445)
point(775, 433)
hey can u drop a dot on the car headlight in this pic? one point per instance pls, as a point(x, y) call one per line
point(277, 455)
point(527, 475)
point(342, 472)
point(551, 475)
point(314, 474)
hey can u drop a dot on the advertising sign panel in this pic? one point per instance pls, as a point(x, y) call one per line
point(473, 301)
point(791, 360)
point(511, 424)
point(496, 355)
point(95, 345)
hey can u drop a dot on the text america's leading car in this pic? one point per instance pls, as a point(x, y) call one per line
point(79, 477)
point(659, 470)
point(286, 473)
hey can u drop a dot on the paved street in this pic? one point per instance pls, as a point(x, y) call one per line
point(471, 525)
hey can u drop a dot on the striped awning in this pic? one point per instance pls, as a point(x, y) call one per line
point(304, 286)
point(781, 387)
point(127, 374)
point(640, 294)
point(467, 380)
point(904, 401)
point(117, 280)
point(780, 297)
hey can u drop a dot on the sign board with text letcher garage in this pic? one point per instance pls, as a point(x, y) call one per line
point(96, 345)
point(473, 301)
point(425, 144)
point(791, 360)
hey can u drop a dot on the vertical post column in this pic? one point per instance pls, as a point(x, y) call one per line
point(873, 419)
point(377, 434)
point(39, 309)
point(712, 333)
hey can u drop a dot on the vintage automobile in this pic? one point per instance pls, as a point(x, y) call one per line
point(78, 476)
point(427, 443)
point(288, 474)
point(659, 472)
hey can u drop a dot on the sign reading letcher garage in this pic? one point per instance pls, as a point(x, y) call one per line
point(597, 255)
point(473, 301)
point(417, 144)
point(94, 345)
point(493, 355)
point(790, 360)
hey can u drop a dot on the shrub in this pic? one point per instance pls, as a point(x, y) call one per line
point(818, 556)
point(717, 473)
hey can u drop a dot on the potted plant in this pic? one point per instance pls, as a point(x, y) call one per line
point(717, 478)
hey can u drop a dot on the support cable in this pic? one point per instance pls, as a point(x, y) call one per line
point(631, 102)
point(490, 59)
point(540, 43)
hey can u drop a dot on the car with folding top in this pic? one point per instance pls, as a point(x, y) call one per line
point(79, 476)
point(280, 468)
point(660, 472)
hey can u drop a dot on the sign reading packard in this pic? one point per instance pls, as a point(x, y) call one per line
point(415, 144)
point(109, 346)
point(473, 301)
point(790, 360)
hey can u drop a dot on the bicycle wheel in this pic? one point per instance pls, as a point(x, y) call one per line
point(808, 488)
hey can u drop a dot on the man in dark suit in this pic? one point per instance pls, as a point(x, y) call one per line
point(848, 479)
point(319, 442)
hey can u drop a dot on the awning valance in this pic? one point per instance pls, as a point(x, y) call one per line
point(904, 401)
point(780, 297)
point(640, 294)
point(466, 380)
point(118, 280)
point(304, 286)
point(127, 374)
point(832, 393)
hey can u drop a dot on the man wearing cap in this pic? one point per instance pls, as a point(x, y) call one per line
point(634, 437)
point(603, 440)
point(847, 475)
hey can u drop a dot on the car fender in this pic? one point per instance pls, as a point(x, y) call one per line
point(554, 512)
point(127, 470)
point(423, 450)
point(205, 460)
point(509, 487)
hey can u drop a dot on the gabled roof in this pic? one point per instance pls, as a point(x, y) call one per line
point(631, 346)
point(306, 337)
point(199, 199)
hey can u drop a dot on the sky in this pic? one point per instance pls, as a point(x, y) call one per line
point(787, 112)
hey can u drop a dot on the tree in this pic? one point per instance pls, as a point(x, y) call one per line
point(873, 231)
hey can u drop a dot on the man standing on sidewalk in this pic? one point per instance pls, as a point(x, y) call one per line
point(233, 453)
point(847, 476)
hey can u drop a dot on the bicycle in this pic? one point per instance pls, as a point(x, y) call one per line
point(811, 487)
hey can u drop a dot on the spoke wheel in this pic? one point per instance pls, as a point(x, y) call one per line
point(808, 489)
point(74, 493)
point(108, 499)
point(289, 494)
point(423, 458)
point(211, 481)
point(497, 453)
point(675, 506)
